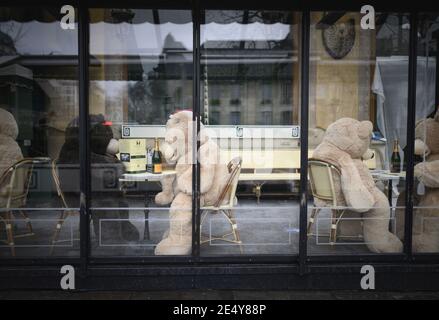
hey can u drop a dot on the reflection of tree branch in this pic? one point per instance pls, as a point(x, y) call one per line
point(390, 28)
point(9, 30)
point(4, 29)
point(20, 33)
point(235, 16)
point(245, 20)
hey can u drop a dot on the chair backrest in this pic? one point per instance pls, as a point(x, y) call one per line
point(234, 167)
point(322, 176)
point(16, 181)
point(56, 180)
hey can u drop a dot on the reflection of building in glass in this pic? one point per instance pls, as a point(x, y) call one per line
point(40, 91)
point(62, 100)
point(250, 83)
point(232, 98)
point(247, 82)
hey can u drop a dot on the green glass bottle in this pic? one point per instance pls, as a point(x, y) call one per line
point(395, 166)
point(157, 158)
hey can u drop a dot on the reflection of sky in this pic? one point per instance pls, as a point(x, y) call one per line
point(39, 38)
point(248, 32)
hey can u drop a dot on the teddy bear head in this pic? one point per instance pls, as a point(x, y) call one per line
point(101, 135)
point(179, 137)
point(426, 133)
point(8, 125)
point(350, 135)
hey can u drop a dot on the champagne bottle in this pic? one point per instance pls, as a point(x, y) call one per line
point(157, 158)
point(396, 159)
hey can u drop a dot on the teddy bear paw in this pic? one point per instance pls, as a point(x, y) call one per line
point(174, 247)
point(163, 198)
point(185, 187)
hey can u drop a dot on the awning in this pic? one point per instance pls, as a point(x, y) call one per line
point(26, 14)
point(155, 16)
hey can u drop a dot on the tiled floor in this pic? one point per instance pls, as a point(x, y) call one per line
point(271, 227)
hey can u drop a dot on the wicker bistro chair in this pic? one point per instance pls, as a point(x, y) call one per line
point(68, 209)
point(64, 213)
point(229, 191)
point(15, 182)
point(322, 176)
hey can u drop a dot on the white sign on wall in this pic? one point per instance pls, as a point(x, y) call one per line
point(223, 132)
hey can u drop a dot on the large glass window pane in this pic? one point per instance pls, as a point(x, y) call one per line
point(140, 74)
point(38, 99)
point(426, 184)
point(250, 148)
point(357, 133)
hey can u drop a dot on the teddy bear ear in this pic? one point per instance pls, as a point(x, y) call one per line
point(365, 129)
point(174, 117)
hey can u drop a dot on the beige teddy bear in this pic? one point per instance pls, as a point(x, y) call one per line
point(345, 145)
point(177, 189)
point(9, 149)
point(426, 213)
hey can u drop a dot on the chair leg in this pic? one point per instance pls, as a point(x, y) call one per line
point(258, 192)
point(235, 229)
point(28, 222)
point(59, 224)
point(10, 232)
point(333, 233)
point(314, 213)
point(146, 231)
point(203, 217)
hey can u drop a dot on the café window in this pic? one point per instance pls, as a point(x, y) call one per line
point(267, 94)
point(140, 74)
point(286, 93)
point(215, 94)
point(251, 55)
point(426, 174)
point(235, 94)
point(357, 128)
point(235, 117)
point(38, 102)
point(140, 118)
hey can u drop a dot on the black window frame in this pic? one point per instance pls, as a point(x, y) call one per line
point(300, 263)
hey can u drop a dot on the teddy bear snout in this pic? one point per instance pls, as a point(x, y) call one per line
point(168, 151)
point(421, 148)
point(113, 147)
point(369, 154)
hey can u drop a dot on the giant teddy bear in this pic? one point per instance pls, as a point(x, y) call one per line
point(345, 144)
point(105, 171)
point(177, 190)
point(9, 149)
point(425, 217)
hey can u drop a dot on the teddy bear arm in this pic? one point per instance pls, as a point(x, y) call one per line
point(184, 181)
point(355, 192)
point(207, 175)
point(428, 173)
point(11, 152)
point(167, 194)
